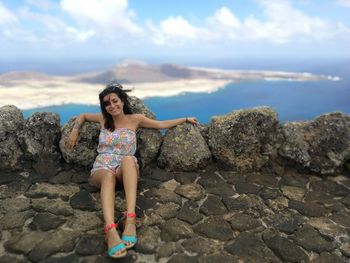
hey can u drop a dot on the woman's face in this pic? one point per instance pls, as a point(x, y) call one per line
point(113, 104)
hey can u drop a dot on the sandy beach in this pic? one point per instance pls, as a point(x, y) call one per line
point(58, 92)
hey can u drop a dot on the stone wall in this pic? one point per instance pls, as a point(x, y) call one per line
point(242, 141)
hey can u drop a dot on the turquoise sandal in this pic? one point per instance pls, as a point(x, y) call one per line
point(132, 240)
point(119, 247)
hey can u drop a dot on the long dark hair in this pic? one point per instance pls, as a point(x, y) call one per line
point(116, 88)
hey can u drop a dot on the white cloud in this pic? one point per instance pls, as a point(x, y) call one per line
point(173, 29)
point(285, 23)
point(281, 23)
point(6, 17)
point(109, 15)
point(51, 29)
point(345, 3)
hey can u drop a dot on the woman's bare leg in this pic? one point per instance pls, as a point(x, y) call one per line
point(106, 180)
point(129, 173)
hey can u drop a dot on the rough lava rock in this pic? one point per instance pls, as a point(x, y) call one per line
point(39, 139)
point(11, 122)
point(321, 145)
point(148, 140)
point(84, 152)
point(244, 140)
point(184, 149)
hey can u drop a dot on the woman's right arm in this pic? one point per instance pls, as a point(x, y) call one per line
point(79, 121)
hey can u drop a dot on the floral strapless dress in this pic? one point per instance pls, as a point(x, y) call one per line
point(112, 147)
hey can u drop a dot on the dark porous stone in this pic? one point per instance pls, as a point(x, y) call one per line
point(166, 196)
point(267, 193)
point(335, 206)
point(15, 205)
point(229, 136)
point(308, 208)
point(263, 179)
point(145, 203)
point(9, 176)
point(284, 248)
point(286, 222)
point(233, 177)
point(80, 176)
point(247, 188)
point(165, 250)
point(18, 188)
point(189, 213)
point(248, 247)
point(72, 258)
point(46, 221)
point(214, 184)
point(148, 240)
point(84, 152)
point(167, 211)
point(12, 259)
point(24, 242)
point(329, 187)
point(233, 203)
point(311, 240)
point(292, 178)
point(326, 257)
point(214, 227)
point(61, 177)
point(242, 222)
point(174, 229)
point(221, 256)
point(345, 248)
point(83, 221)
point(90, 244)
point(160, 175)
point(54, 206)
point(192, 191)
point(184, 149)
point(145, 183)
point(83, 200)
point(15, 219)
point(341, 218)
point(213, 206)
point(183, 258)
point(200, 245)
point(90, 188)
point(346, 201)
point(59, 241)
point(186, 177)
point(52, 191)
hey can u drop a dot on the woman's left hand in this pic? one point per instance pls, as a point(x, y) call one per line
point(192, 120)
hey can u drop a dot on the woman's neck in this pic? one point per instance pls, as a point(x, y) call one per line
point(119, 118)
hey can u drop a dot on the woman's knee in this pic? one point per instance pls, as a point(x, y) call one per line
point(128, 160)
point(108, 178)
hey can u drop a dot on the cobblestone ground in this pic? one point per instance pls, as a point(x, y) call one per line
point(210, 216)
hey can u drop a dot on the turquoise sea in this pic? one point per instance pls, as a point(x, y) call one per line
point(293, 101)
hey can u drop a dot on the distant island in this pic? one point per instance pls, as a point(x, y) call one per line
point(29, 90)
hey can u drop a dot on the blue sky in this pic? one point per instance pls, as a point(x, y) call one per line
point(141, 29)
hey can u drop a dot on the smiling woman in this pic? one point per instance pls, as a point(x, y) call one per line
point(115, 162)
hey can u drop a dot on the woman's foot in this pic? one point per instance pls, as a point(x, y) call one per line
point(129, 234)
point(115, 248)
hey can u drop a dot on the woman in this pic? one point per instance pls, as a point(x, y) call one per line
point(115, 162)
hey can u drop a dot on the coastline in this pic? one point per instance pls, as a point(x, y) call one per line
point(30, 92)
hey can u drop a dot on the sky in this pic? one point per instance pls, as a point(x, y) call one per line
point(144, 29)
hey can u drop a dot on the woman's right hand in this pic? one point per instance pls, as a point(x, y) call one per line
point(72, 139)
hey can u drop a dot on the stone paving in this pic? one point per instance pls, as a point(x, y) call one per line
point(208, 216)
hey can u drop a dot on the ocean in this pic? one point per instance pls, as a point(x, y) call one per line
point(293, 100)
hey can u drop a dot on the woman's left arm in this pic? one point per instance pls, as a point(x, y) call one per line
point(145, 122)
